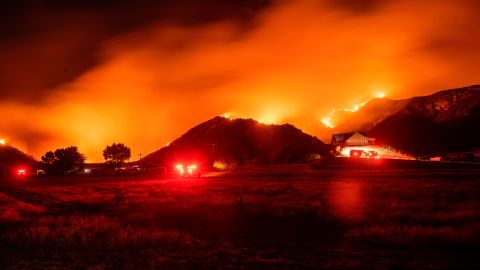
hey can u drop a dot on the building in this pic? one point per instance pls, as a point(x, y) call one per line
point(351, 139)
point(472, 156)
point(359, 145)
point(354, 144)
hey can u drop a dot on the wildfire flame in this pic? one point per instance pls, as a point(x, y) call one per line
point(328, 121)
point(2, 142)
point(269, 119)
point(227, 116)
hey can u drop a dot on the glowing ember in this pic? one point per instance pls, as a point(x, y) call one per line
point(227, 116)
point(354, 109)
point(267, 121)
point(326, 122)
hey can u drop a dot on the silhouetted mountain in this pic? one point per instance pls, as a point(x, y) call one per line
point(11, 157)
point(242, 141)
point(446, 121)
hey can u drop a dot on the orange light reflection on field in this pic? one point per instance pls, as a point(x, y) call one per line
point(348, 200)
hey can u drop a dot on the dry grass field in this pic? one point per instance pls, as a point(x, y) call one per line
point(349, 219)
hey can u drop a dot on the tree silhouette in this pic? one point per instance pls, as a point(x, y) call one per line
point(48, 159)
point(62, 161)
point(116, 154)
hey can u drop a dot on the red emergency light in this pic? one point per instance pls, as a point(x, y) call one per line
point(21, 172)
point(187, 171)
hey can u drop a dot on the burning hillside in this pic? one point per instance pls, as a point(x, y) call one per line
point(443, 122)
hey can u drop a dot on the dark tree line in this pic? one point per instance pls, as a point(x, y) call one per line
point(70, 160)
point(63, 161)
point(116, 154)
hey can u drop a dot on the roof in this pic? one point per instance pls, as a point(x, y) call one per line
point(341, 137)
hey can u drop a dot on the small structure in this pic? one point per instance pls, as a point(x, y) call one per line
point(351, 139)
point(471, 156)
point(355, 145)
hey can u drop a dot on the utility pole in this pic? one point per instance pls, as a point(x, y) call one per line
point(213, 149)
point(140, 156)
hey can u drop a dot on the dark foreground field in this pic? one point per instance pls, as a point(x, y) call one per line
point(392, 219)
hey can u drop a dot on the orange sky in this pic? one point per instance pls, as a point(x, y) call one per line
point(296, 62)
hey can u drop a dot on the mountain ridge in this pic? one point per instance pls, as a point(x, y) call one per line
point(241, 141)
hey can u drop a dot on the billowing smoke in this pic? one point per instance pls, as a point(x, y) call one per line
point(294, 62)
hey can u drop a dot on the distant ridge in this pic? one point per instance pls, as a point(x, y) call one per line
point(243, 141)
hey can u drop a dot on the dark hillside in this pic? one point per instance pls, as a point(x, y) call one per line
point(242, 141)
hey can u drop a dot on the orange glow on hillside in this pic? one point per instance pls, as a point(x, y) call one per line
point(330, 119)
